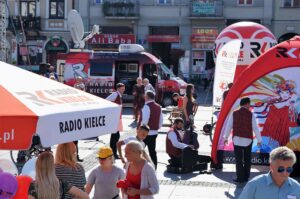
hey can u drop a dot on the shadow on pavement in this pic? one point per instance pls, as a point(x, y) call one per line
point(127, 111)
point(171, 176)
point(226, 176)
point(177, 177)
point(229, 175)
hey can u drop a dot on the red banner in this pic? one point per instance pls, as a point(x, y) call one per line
point(112, 39)
point(164, 38)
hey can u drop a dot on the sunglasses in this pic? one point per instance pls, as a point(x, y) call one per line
point(282, 169)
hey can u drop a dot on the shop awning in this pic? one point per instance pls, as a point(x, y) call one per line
point(163, 38)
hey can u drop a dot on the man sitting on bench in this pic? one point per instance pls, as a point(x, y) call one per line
point(184, 157)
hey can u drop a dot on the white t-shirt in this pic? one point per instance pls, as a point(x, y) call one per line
point(133, 138)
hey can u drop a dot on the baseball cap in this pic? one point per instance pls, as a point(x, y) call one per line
point(104, 152)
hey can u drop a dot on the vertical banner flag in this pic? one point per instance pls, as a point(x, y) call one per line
point(225, 69)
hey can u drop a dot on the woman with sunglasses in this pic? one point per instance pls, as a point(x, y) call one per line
point(105, 177)
point(47, 185)
point(276, 183)
point(140, 173)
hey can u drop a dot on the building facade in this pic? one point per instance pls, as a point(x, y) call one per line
point(168, 29)
point(286, 21)
point(37, 30)
point(171, 28)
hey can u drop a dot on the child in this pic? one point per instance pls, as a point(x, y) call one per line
point(141, 134)
point(105, 176)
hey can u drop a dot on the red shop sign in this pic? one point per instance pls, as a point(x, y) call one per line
point(112, 39)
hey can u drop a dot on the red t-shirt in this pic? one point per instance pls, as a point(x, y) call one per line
point(135, 182)
point(180, 103)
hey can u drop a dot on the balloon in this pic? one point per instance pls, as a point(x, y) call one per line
point(256, 39)
point(8, 166)
point(29, 168)
point(8, 185)
point(23, 186)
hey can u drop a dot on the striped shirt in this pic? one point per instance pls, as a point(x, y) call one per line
point(75, 177)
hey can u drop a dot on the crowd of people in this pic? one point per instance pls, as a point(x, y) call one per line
point(64, 177)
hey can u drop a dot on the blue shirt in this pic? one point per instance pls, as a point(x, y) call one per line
point(263, 186)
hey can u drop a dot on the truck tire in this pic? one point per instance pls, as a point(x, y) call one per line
point(167, 101)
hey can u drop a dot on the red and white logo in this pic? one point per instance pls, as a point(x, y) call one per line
point(256, 39)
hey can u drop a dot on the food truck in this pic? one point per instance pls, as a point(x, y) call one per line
point(101, 71)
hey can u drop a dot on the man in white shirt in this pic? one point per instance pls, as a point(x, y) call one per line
point(242, 123)
point(181, 154)
point(148, 86)
point(151, 115)
point(141, 134)
point(116, 97)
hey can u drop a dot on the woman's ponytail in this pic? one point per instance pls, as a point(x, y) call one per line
point(146, 156)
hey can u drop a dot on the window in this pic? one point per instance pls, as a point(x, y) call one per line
point(57, 9)
point(245, 2)
point(150, 72)
point(101, 69)
point(290, 3)
point(122, 67)
point(132, 68)
point(27, 8)
point(164, 2)
point(128, 67)
point(166, 70)
point(98, 1)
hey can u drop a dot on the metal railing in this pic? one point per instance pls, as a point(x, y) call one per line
point(29, 23)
